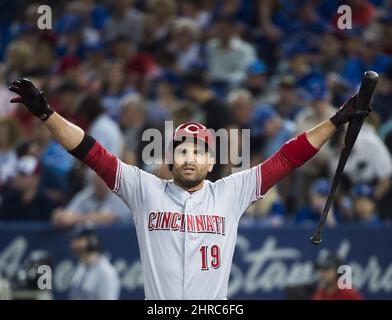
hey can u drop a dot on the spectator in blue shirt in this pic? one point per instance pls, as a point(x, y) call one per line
point(317, 197)
point(95, 277)
point(256, 81)
point(287, 102)
point(270, 130)
point(382, 101)
point(370, 58)
point(365, 206)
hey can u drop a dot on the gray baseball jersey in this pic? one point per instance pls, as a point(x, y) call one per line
point(186, 239)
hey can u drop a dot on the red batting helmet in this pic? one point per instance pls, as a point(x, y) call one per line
point(195, 130)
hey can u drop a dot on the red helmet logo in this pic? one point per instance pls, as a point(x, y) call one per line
point(195, 130)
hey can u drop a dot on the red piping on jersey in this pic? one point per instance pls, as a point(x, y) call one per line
point(259, 194)
point(291, 155)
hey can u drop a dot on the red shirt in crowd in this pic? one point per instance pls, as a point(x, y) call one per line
point(339, 294)
point(362, 15)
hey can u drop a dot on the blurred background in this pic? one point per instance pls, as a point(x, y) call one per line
point(118, 67)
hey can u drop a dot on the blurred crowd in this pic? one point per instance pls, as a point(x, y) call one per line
point(118, 67)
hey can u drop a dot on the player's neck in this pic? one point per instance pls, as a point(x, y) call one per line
point(190, 189)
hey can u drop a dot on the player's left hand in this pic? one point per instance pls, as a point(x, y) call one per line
point(348, 112)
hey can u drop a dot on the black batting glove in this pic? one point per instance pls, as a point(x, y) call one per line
point(348, 112)
point(32, 98)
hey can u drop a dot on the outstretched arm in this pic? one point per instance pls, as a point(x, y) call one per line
point(70, 136)
point(294, 153)
point(65, 132)
point(297, 151)
point(320, 134)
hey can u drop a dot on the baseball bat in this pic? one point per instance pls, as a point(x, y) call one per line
point(363, 101)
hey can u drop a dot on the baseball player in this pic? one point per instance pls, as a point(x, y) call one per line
point(186, 227)
point(95, 277)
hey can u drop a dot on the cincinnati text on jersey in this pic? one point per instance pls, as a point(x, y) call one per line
point(175, 221)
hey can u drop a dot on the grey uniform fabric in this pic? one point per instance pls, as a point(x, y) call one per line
point(186, 240)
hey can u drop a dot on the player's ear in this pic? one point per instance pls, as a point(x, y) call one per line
point(211, 162)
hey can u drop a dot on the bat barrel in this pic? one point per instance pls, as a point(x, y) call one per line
point(366, 91)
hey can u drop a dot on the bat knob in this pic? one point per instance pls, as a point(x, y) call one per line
point(371, 75)
point(315, 240)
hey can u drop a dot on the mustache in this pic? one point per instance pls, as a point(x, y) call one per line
point(188, 166)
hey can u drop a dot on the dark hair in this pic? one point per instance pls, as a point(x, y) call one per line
point(36, 73)
point(288, 82)
point(196, 3)
point(89, 232)
point(226, 19)
point(68, 86)
point(166, 58)
point(23, 148)
point(328, 259)
point(195, 78)
point(90, 107)
point(120, 38)
point(388, 72)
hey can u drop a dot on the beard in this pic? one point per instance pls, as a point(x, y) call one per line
point(189, 182)
point(255, 90)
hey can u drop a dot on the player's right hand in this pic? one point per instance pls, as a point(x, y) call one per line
point(31, 97)
point(348, 111)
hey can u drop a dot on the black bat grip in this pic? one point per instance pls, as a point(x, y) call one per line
point(363, 101)
point(366, 91)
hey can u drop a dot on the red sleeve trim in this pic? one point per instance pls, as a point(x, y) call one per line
point(299, 150)
point(118, 177)
point(105, 164)
point(291, 155)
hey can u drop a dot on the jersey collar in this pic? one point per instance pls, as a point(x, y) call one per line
point(182, 196)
